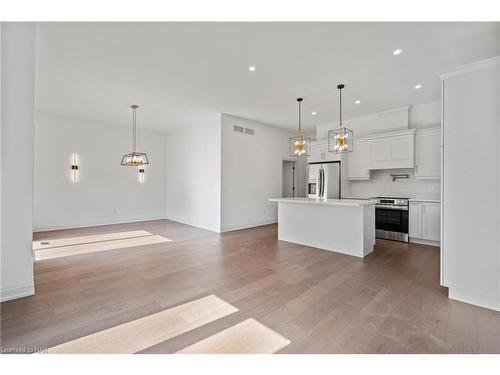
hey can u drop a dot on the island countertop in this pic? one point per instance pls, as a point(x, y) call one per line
point(328, 202)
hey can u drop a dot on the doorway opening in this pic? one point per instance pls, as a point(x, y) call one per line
point(289, 179)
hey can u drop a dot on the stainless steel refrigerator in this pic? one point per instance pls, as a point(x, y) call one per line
point(324, 180)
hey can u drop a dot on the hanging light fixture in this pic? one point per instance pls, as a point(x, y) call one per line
point(134, 159)
point(340, 139)
point(300, 144)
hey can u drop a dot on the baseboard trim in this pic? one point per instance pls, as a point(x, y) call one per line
point(77, 226)
point(425, 242)
point(474, 299)
point(231, 229)
point(191, 224)
point(20, 291)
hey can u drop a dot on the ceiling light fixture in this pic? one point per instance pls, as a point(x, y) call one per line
point(251, 68)
point(313, 113)
point(134, 159)
point(397, 52)
point(300, 144)
point(358, 102)
point(417, 87)
point(340, 139)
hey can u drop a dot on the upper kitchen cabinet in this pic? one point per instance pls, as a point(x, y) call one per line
point(319, 153)
point(428, 153)
point(358, 161)
point(392, 150)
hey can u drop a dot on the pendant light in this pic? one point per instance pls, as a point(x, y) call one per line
point(300, 144)
point(340, 139)
point(135, 159)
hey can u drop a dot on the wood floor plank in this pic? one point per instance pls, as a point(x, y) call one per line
point(247, 337)
point(323, 302)
point(142, 333)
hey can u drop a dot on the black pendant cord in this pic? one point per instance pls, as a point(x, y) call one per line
point(300, 113)
point(340, 87)
point(135, 131)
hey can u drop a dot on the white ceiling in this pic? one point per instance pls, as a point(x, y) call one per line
point(181, 72)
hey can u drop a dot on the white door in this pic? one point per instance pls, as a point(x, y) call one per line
point(289, 179)
point(415, 220)
point(428, 153)
point(431, 221)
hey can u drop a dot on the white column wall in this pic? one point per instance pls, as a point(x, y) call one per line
point(17, 111)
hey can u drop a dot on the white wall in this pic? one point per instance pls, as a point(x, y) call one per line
point(471, 184)
point(252, 167)
point(421, 116)
point(17, 101)
point(193, 157)
point(106, 192)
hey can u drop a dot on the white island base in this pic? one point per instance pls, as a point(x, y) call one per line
point(345, 226)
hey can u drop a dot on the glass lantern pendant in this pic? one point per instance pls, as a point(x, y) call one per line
point(134, 159)
point(340, 139)
point(300, 144)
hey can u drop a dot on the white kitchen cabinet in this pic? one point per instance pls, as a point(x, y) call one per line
point(392, 150)
point(425, 222)
point(358, 161)
point(319, 152)
point(428, 153)
point(431, 221)
point(415, 220)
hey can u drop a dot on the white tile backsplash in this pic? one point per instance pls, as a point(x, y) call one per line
point(381, 184)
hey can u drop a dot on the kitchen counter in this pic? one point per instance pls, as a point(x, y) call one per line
point(425, 200)
point(328, 202)
point(345, 226)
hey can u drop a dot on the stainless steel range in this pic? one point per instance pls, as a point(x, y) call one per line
point(391, 218)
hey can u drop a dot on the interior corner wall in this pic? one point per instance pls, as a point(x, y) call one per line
point(252, 167)
point(193, 165)
point(105, 192)
point(17, 102)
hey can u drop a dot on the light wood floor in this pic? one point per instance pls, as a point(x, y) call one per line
point(322, 302)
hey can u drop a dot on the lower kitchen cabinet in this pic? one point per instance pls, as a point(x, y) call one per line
point(425, 222)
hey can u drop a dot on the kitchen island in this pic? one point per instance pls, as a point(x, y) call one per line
point(343, 225)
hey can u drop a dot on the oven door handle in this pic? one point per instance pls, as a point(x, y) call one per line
point(400, 208)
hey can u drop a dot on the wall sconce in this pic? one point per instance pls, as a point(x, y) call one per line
point(141, 174)
point(74, 167)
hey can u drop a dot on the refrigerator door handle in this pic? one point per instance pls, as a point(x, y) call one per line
point(321, 183)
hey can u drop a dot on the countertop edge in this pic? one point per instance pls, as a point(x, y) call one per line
point(348, 203)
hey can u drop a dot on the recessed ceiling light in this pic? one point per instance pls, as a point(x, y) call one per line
point(313, 113)
point(397, 51)
point(251, 68)
point(419, 86)
point(358, 102)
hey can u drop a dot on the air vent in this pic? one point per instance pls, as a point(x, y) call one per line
point(238, 129)
point(248, 131)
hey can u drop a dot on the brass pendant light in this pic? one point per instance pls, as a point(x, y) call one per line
point(341, 139)
point(300, 144)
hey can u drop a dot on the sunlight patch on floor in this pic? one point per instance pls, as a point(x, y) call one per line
point(143, 333)
point(63, 247)
point(247, 337)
